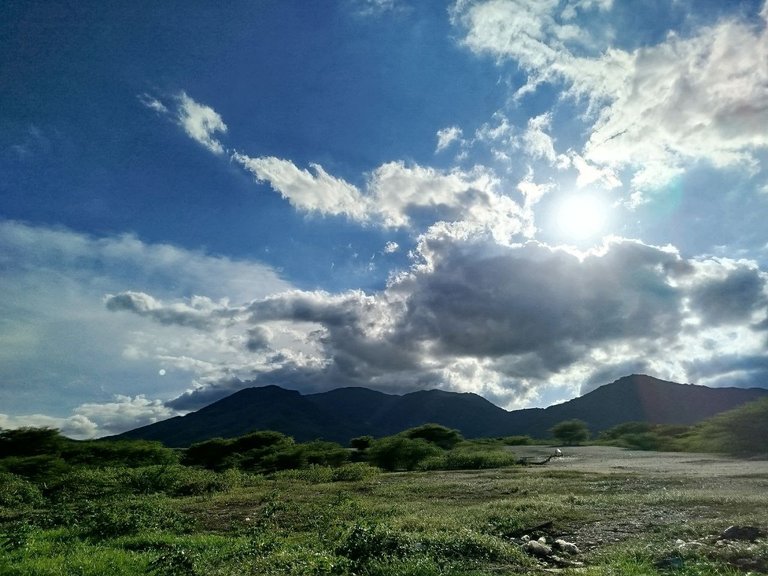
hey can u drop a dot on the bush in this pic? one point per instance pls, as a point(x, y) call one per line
point(130, 516)
point(40, 469)
point(361, 442)
point(313, 474)
point(355, 472)
point(571, 432)
point(441, 436)
point(517, 440)
point(29, 441)
point(741, 431)
point(365, 542)
point(16, 492)
point(464, 459)
point(400, 453)
point(126, 453)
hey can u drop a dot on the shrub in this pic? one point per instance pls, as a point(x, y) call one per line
point(41, 469)
point(29, 441)
point(126, 453)
point(516, 440)
point(355, 472)
point(365, 542)
point(441, 436)
point(571, 432)
point(400, 453)
point(361, 442)
point(313, 474)
point(464, 459)
point(742, 431)
point(130, 516)
point(16, 492)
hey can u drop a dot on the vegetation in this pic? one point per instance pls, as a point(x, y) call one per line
point(571, 432)
point(264, 504)
point(742, 431)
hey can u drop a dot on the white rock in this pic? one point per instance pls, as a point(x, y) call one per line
point(567, 547)
point(538, 549)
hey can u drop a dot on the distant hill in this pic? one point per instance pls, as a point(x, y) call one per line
point(345, 413)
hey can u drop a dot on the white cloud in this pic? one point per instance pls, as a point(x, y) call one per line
point(153, 103)
point(312, 192)
point(447, 136)
point(395, 194)
point(200, 122)
point(391, 247)
point(60, 346)
point(536, 142)
point(658, 108)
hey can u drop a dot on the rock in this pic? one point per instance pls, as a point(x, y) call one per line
point(538, 549)
point(750, 533)
point(525, 538)
point(567, 547)
point(542, 540)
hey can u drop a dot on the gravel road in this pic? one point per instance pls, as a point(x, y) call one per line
point(607, 459)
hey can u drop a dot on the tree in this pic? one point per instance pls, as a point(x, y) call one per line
point(400, 453)
point(437, 434)
point(571, 432)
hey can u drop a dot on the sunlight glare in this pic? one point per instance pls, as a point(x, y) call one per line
point(581, 216)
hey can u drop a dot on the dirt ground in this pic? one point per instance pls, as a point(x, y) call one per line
point(607, 459)
point(690, 497)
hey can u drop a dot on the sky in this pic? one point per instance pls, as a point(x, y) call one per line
point(523, 199)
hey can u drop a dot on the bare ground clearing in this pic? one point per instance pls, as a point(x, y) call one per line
point(608, 459)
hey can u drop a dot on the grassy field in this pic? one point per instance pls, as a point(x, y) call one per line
point(169, 520)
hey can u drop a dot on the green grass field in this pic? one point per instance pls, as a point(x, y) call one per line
point(174, 520)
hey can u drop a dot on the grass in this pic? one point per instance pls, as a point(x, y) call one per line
point(360, 521)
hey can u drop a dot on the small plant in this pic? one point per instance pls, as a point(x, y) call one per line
point(16, 536)
point(176, 561)
point(16, 492)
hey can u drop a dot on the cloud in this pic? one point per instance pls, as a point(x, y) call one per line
point(92, 420)
point(391, 247)
point(197, 314)
point(656, 108)
point(510, 321)
point(536, 141)
point(315, 191)
point(153, 103)
point(396, 195)
point(730, 293)
point(61, 347)
point(447, 136)
point(200, 122)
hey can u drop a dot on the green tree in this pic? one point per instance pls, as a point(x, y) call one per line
point(361, 442)
point(29, 441)
point(437, 434)
point(400, 453)
point(571, 432)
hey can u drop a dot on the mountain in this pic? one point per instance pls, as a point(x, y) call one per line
point(345, 413)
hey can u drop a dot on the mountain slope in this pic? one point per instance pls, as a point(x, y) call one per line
point(345, 413)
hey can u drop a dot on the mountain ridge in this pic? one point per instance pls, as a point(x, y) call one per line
point(344, 413)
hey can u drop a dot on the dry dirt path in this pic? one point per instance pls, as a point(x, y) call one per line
point(608, 459)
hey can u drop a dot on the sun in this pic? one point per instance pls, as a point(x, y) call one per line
point(581, 216)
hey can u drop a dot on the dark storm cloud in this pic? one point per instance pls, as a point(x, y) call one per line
point(142, 304)
point(491, 301)
point(258, 338)
point(731, 299)
point(731, 370)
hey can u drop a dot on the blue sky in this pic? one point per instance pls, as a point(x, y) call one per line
point(524, 199)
